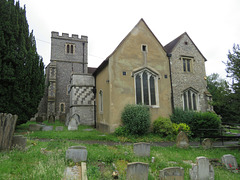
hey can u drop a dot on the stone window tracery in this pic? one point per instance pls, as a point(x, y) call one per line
point(190, 99)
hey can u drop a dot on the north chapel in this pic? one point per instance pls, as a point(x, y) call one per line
point(139, 71)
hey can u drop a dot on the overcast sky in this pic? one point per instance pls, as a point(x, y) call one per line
point(213, 25)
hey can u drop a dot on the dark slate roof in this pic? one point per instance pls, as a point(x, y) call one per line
point(91, 70)
point(170, 46)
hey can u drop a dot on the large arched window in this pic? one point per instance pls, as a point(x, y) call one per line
point(146, 87)
point(190, 99)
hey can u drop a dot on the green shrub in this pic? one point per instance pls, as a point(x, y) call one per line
point(197, 121)
point(163, 126)
point(121, 131)
point(136, 119)
point(181, 127)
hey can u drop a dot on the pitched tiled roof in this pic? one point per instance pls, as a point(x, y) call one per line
point(170, 46)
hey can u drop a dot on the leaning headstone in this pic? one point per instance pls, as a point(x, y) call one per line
point(59, 128)
point(7, 127)
point(39, 119)
point(76, 153)
point(74, 116)
point(51, 119)
point(137, 170)
point(202, 170)
point(19, 142)
point(72, 125)
point(47, 128)
point(230, 162)
point(141, 149)
point(172, 173)
point(35, 127)
point(207, 143)
point(62, 118)
point(182, 140)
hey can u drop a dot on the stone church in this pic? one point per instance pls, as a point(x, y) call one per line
point(139, 71)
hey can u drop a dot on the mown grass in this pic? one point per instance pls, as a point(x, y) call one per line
point(81, 134)
point(46, 160)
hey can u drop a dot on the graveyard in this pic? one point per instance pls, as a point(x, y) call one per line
point(54, 152)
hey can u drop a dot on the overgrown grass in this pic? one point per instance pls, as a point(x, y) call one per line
point(46, 160)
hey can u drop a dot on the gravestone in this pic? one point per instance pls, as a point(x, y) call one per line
point(182, 140)
point(19, 142)
point(172, 173)
point(39, 119)
point(7, 128)
point(35, 127)
point(76, 153)
point(62, 118)
point(141, 149)
point(202, 170)
point(230, 162)
point(33, 119)
point(74, 116)
point(59, 128)
point(137, 170)
point(207, 143)
point(72, 125)
point(51, 119)
point(47, 128)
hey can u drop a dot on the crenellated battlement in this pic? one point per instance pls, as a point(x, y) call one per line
point(66, 36)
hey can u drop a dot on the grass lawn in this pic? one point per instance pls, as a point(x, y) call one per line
point(46, 160)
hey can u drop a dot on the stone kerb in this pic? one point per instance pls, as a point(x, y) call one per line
point(207, 143)
point(182, 140)
point(59, 128)
point(77, 153)
point(141, 149)
point(19, 142)
point(7, 128)
point(137, 170)
point(202, 170)
point(176, 173)
point(35, 127)
point(230, 162)
point(47, 128)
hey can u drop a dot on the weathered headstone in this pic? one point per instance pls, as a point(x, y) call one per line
point(39, 119)
point(62, 118)
point(172, 173)
point(76, 153)
point(230, 162)
point(51, 119)
point(207, 143)
point(7, 127)
point(141, 149)
point(19, 142)
point(72, 125)
point(59, 128)
point(182, 140)
point(74, 116)
point(202, 170)
point(35, 127)
point(47, 128)
point(137, 170)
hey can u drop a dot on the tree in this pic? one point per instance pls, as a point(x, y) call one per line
point(21, 68)
point(221, 92)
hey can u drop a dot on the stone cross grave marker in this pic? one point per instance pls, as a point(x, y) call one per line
point(230, 162)
point(7, 128)
point(77, 153)
point(172, 173)
point(202, 170)
point(141, 149)
point(207, 143)
point(182, 140)
point(137, 171)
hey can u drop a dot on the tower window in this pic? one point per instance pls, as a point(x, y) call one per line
point(69, 48)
